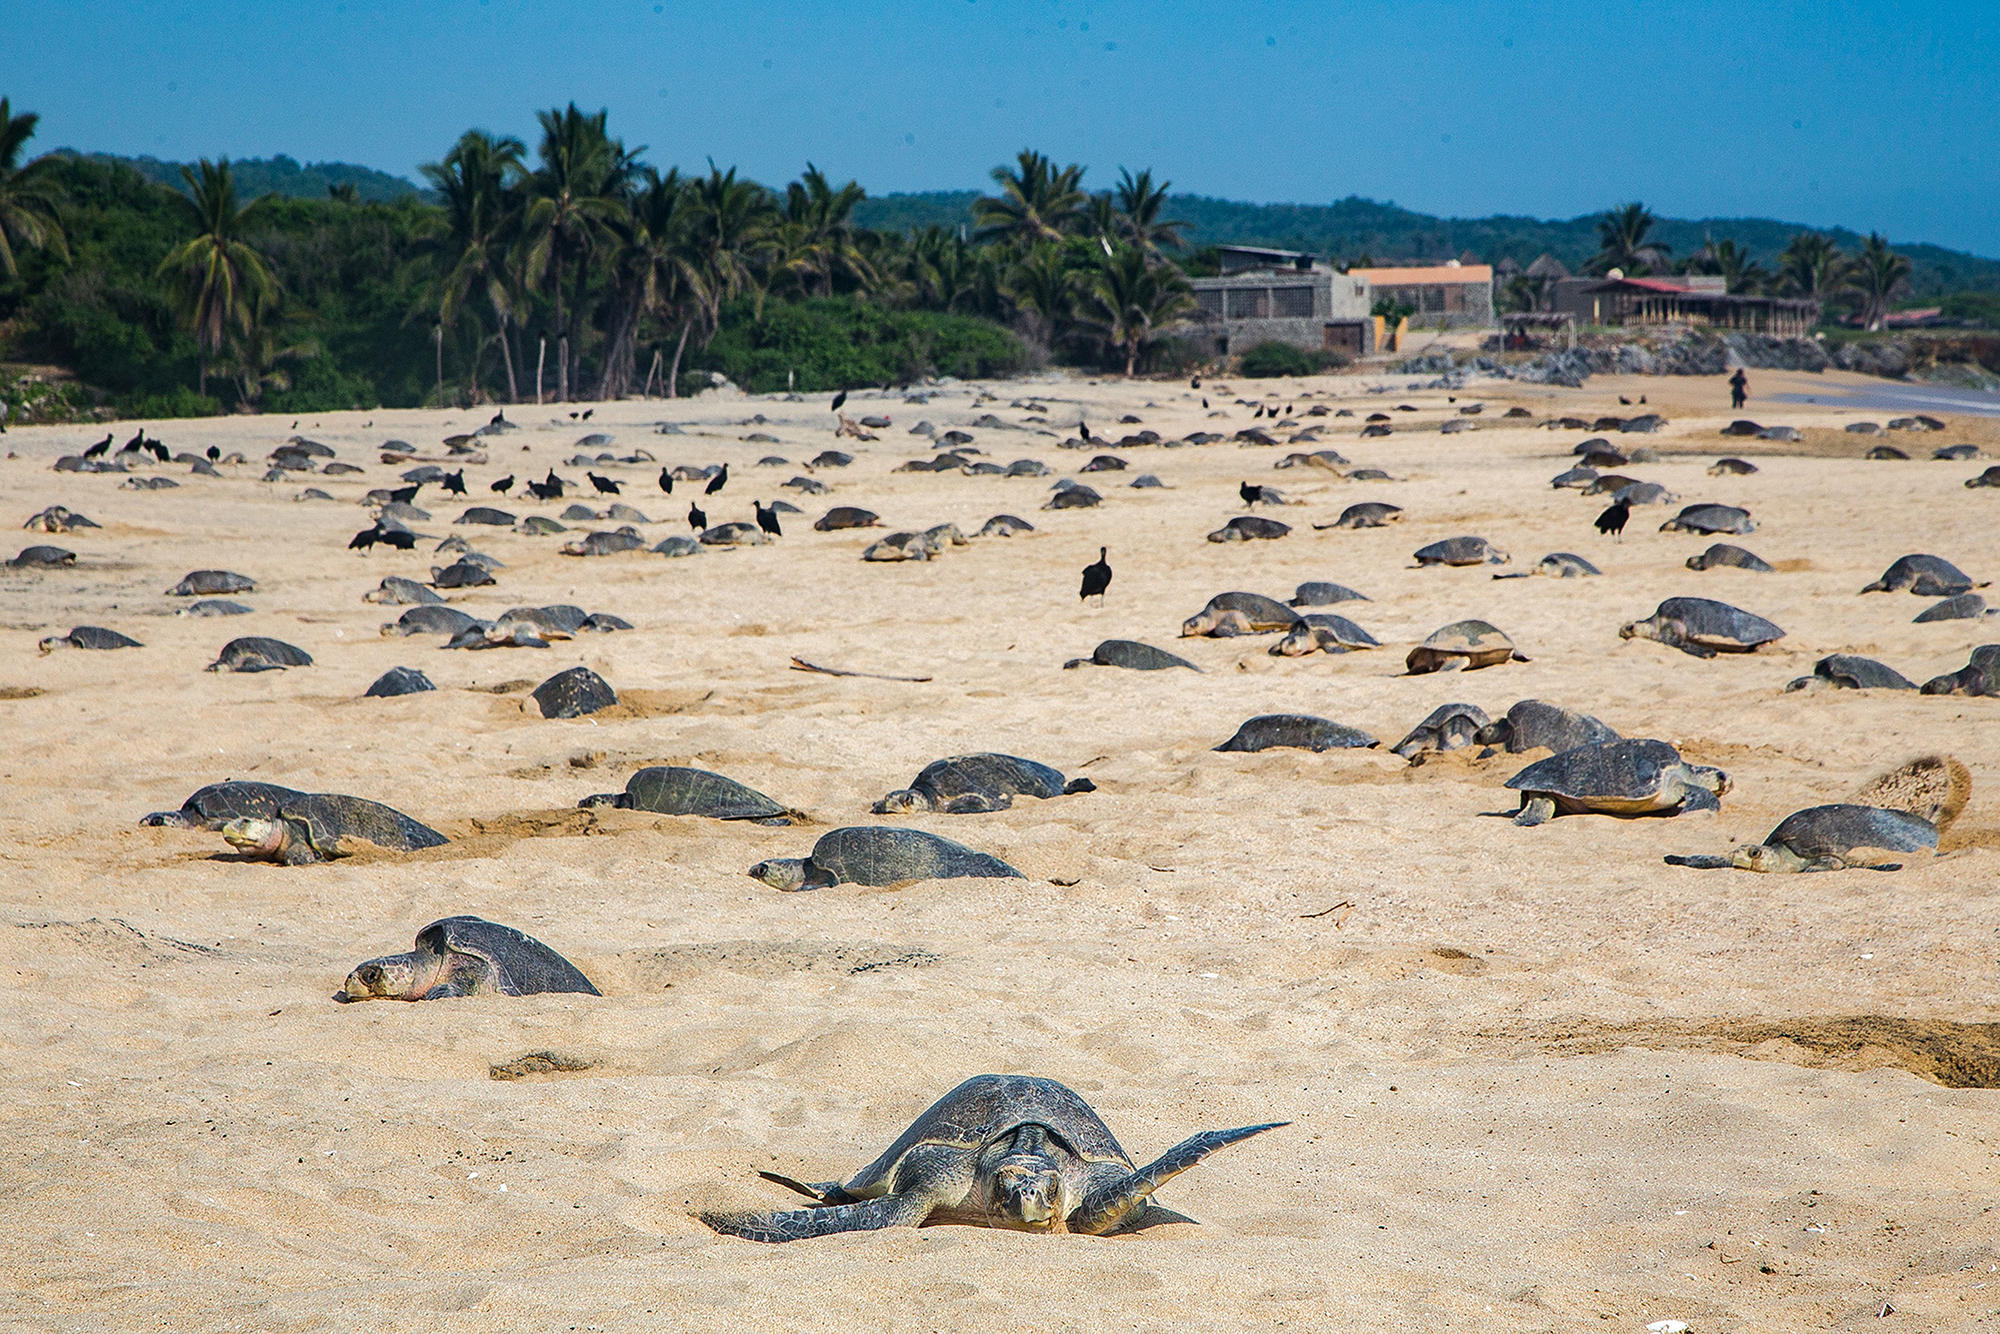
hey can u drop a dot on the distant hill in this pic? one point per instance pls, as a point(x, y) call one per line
point(280, 175)
point(1353, 227)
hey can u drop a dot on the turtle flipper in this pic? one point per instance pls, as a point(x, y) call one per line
point(1700, 862)
point(445, 991)
point(826, 1192)
point(906, 1210)
point(1110, 1206)
point(977, 803)
point(1534, 811)
point(1699, 799)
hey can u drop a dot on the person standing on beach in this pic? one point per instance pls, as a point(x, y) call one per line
point(1739, 389)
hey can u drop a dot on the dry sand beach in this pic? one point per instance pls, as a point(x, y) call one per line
point(1537, 1079)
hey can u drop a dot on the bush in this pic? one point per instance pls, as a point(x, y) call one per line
point(841, 343)
point(1268, 360)
point(181, 402)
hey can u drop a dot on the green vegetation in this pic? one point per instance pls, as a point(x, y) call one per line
point(1268, 361)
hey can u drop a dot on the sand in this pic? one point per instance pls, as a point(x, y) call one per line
point(1537, 1079)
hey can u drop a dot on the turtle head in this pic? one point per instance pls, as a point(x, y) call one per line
point(1713, 780)
point(54, 642)
point(1027, 1190)
point(902, 801)
point(781, 872)
point(263, 839)
point(1635, 630)
point(1768, 858)
point(392, 977)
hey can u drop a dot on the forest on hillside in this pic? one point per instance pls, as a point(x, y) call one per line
point(574, 269)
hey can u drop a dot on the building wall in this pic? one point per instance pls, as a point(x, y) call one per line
point(1239, 310)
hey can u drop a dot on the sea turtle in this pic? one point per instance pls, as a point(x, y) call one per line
point(466, 956)
point(398, 681)
point(1574, 479)
point(1010, 1151)
point(62, 519)
point(1534, 725)
point(620, 512)
point(256, 653)
point(486, 514)
point(1703, 628)
point(668, 789)
point(1722, 553)
point(1239, 614)
point(1734, 467)
point(485, 635)
point(1828, 838)
point(214, 607)
point(574, 693)
point(1367, 514)
point(207, 583)
point(1844, 671)
point(1462, 645)
point(277, 823)
point(461, 574)
point(89, 636)
point(1004, 525)
point(1885, 452)
point(1322, 632)
point(1105, 463)
point(1556, 565)
point(806, 486)
point(1609, 483)
point(678, 546)
point(1964, 607)
point(970, 784)
point(1926, 576)
point(1074, 498)
point(1028, 468)
point(734, 535)
point(1447, 727)
point(1991, 477)
point(536, 525)
point(431, 620)
point(1707, 518)
point(608, 544)
point(43, 558)
point(1300, 730)
point(1460, 551)
point(1958, 453)
point(1130, 653)
point(603, 622)
point(396, 591)
point(846, 516)
point(830, 458)
point(1319, 594)
point(1368, 475)
point(899, 546)
point(559, 619)
point(1635, 777)
point(1643, 493)
point(1246, 527)
point(879, 855)
point(1979, 676)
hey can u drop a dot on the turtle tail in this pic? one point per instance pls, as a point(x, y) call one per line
point(1111, 1206)
point(907, 1210)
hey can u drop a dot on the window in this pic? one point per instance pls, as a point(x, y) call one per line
point(1249, 303)
point(1292, 302)
point(1211, 303)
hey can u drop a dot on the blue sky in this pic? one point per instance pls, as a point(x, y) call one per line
point(1858, 112)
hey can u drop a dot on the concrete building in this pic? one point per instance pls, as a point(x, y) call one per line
point(1684, 298)
point(1284, 296)
point(1455, 295)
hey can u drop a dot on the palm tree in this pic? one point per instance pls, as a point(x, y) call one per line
point(1812, 266)
point(477, 179)
point(731, 235)
point(1140, 203)
point(257, 354)
point(1133, 302)
point(27, 197)
point(1878, 274)
point(1622, 244)
point(223, 280)
point(1729, 261)
point(656, 271)
point(1042, 287)
point(1036, 203)
point(574, 198)
point(940, 269)
point(817, 236)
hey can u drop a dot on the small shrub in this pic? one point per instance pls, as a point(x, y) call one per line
point(1269, 360)
point(180, 402)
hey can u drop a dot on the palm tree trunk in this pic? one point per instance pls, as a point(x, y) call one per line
point(541, 355)
point(507, 356)
point(1131, 356)
point(562, 369)
point(674, 374)
point(201, 372)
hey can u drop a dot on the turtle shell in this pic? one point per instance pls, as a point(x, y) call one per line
point(1837, 830)
point(206, 583)
point(1320, 594)
point(1132, 654)
point(257, 653)
point(1857, 673)
point(1479, 643)
point(522, 965)
point(1447, 727)
point(1609, 776)
point(1367, 514)
point(987, 1108)
point(1460, 551)
point(1532, 724)
point(213, 806)
point(1565, 565)
point(1717, 624)
point(1300, 730)
point(1926, 576)
point(574, 693)
point(1709, 518)
point(986, 773)
point(330, 817)
point(399, 681)
point(430, 619)
point(1262, 613)
point(674, 790)
point(875, 855)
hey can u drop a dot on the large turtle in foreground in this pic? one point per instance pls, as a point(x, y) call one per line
point(1979, 676)
point(878, 855)
point(1828, 838)
point(1010, 1151)
point(1702, 628)
point(668, 789)
point(1637, 777)
point(1462, 646)
point(466, 956)
point(970, 784)
point(1133, 655)
point(271, 823)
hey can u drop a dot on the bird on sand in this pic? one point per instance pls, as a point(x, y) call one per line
point(696, 519)
point(838, 399)
point(1612, 521)
point(214, 454)
point(504, 485)
point(605, 485)
point(717, 482)
point(1096, 577)
point(1252, 495)
point(767, 518)
point(453, 482)
point(97, 450)
point(667, 480)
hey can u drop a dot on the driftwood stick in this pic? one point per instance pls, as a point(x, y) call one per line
point(801, 665)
